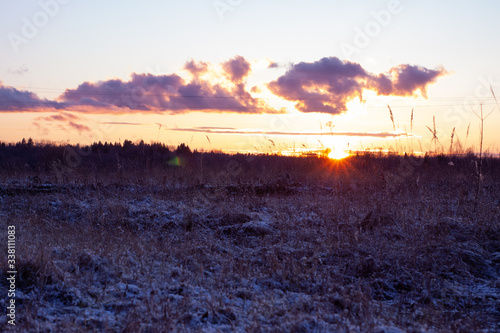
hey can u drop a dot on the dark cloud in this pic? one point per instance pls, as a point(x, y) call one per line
point(169, 93)
point(329, 83)
point(144, 92)
point(405, 80)
point(273, 64)
point(237, 69)
point(322, 86)
point(14, 100)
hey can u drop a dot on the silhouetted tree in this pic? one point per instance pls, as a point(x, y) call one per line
point(127, 144)
point(183, 149)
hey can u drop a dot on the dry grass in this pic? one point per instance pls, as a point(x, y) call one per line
point(367, 244)
point(434, 133)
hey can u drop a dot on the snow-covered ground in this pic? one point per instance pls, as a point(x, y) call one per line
point(287, 257)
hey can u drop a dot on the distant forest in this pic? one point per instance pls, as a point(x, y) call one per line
point(41, 157)
point(48, 159)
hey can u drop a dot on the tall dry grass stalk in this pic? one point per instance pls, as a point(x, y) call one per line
point(479, 170)
point(159, 128)
point(466, 136)
point(451, 141)
point(392, 117)
point(411, 130)
point(434, 133)
point(393, 126)
point(494, 96)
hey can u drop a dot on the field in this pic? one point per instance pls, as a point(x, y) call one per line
point(144, 239)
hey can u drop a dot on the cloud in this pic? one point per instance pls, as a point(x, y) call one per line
point(195, 68)
point(20, 71)
point(328, 84)
point(256, 90)
point(129, 123)
point(14, 100)
point(273, 64)
point(230, 130)
point(79, 127)
point(405, 80)
point(169, 93)
point(237, 69)
point(143, 92)
point(63, 121)
point(59, 117)
point(324, 86)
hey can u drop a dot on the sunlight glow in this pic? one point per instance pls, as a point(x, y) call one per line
point(337, 155)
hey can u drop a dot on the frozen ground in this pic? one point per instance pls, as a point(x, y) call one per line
point(351, 255)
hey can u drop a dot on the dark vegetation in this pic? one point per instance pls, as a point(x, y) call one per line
point(139, 237)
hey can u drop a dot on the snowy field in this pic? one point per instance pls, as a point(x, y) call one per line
point(338, 248)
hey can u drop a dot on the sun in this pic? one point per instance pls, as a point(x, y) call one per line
point(337, 154)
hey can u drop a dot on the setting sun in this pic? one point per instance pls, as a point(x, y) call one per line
point(337, 155)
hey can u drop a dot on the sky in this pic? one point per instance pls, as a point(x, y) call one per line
point(252, 76)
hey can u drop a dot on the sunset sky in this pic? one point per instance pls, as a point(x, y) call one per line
point(240, 75)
